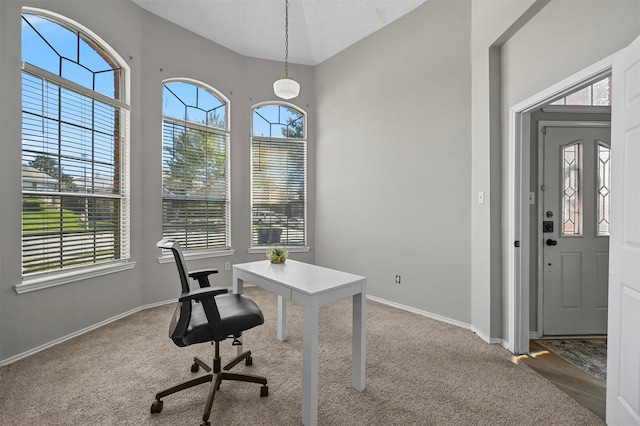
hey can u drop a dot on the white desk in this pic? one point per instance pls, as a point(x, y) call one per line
point(311, 286)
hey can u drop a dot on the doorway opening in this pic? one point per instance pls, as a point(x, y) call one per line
point(525, 209)
point(519, 258)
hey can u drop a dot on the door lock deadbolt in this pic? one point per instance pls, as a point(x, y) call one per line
point(549, 214)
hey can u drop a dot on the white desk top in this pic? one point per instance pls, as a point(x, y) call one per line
point(304, 277)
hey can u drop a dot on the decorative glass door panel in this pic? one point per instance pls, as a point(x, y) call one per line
point(603, 190)
point(571, 197)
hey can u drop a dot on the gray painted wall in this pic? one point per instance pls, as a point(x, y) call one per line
point(155, 50)
point(394, 164)
point(492, 22)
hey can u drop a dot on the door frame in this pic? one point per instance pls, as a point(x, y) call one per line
point(540, 209)
point(517, 199)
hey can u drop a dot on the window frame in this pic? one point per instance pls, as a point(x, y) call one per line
point(305, 140)
point(204, 253)
point(59, 276)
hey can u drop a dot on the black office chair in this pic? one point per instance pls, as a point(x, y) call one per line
point(209, 314)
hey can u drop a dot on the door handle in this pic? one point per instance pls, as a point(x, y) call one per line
point(551, 242)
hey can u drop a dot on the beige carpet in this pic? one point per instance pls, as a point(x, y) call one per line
point(419, 372)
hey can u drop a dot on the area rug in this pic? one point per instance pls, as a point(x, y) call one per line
point(589, 355)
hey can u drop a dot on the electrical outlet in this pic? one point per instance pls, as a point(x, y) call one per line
point(397, 279)
point(227, 266)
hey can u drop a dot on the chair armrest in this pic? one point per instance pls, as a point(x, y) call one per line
point(206, 296)
point(203, 293)
point(202, 275)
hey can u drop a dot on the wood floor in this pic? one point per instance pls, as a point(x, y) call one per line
point(581, 386)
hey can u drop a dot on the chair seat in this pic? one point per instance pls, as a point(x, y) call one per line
point(237, 312)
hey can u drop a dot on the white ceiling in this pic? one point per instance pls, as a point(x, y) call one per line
point(318, 29)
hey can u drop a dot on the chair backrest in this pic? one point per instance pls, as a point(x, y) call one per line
point(179, 326)
point(182, 314)
point(174, 246)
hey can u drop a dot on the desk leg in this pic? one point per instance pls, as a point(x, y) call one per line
point(310, 365)
point(238, 288)
point(238, 284)
point(358, 349)
point(282, 319)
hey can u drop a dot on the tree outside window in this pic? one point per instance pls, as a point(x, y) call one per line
point(195, 184)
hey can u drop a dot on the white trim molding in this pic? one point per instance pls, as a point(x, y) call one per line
point(80, 332)
point(290, 249)
point(56, 279)
point(436, 317)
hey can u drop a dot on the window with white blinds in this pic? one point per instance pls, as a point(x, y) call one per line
point(278, 176)
point(75, 208)
point(195, 167)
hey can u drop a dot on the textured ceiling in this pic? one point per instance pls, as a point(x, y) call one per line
point(318, 29)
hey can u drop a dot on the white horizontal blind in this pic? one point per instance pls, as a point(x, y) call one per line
point(74, 177)
point(195, 185)
point(278, 178)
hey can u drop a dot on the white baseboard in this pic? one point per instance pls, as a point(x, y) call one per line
point(80, 332)
point(426, 314)
point(436, 317)
point(480, 334)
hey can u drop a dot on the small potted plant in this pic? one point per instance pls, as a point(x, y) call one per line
point(277, 255)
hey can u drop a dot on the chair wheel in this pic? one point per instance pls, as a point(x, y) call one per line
point(207, 423)
point(248, 361)
point(264, 391)
point(156, 407)
point(195, 367)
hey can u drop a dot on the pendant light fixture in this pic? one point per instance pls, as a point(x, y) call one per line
point(286, 87)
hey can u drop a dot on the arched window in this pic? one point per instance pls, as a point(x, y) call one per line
point(75, 177)
point(278, 176)
point(195, 166)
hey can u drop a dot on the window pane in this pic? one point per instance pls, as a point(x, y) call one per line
point(602, 92)
point(278, 176)
point(196, 224)
point(278, 192)
point(38, 53)
point(63, 232)
point(604, 183)
point(598, 94)
point(278, 121)
point(69, 54)
point(74, 205)
point(189, 102)
point(571, 200)
point(581, 97)
point(195, 168)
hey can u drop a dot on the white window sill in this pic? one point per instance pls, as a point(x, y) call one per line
point(61, 278)
point(195, 255)
point(292, 249)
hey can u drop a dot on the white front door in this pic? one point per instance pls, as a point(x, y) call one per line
point(623, 351)
point(575, 230)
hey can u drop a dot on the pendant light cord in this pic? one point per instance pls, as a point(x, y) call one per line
point(286, 38)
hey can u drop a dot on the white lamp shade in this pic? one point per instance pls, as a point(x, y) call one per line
point(286, 88)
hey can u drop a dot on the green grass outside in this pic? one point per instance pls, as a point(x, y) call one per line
point(51, 220)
